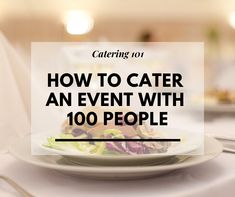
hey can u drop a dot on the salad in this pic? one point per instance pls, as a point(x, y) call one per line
point(110, 131)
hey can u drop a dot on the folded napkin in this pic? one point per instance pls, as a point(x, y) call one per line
point(223, 127)
point(224, 130)
point(15, 95)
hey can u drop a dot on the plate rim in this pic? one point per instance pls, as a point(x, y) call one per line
point(122, 169)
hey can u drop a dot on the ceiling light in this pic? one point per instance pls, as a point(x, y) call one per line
point(231, 20)
point(78, 22)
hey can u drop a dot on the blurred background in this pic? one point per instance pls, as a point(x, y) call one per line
point(208, 21)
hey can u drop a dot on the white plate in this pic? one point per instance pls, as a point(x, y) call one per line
point(21, 150)
point(189, 145)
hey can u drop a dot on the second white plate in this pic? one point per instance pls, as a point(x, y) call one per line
point(21, 150)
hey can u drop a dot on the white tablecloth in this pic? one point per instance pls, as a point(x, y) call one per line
point(215, 178)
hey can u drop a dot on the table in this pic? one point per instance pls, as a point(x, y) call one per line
point(215, 178)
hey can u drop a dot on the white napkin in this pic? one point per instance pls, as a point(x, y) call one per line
point(14, 95)
point(223, 127)
point(224, 130)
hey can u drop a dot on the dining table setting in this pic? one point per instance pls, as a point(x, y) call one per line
point(24, 174)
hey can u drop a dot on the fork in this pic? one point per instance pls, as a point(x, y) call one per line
point(17, 187)
point(229, 150)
